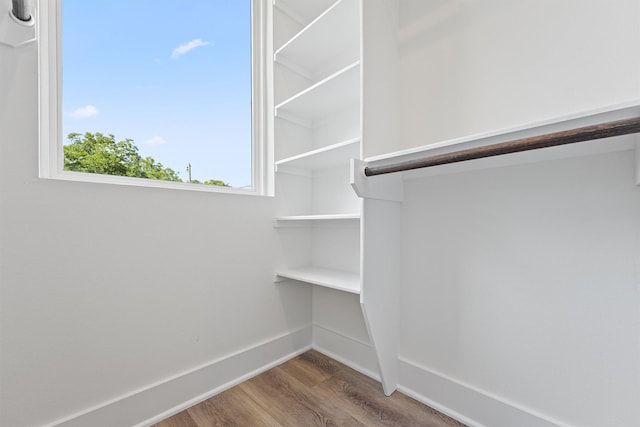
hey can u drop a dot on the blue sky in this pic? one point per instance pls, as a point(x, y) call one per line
point(173, 75)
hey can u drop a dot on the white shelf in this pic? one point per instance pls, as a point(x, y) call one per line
point(322, 158)
point(341, 280)
point(302, 11)
point(586, 118)
point(310, 220)
point(329, 217)
point(335, 93)
point(319, 42)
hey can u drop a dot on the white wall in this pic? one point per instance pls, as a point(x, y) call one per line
point(523, 282)
point(107, 289)
point(473, 66)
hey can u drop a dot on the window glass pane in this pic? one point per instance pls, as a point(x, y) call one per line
point(168, 78)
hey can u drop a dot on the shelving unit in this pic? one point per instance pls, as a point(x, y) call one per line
point(313, 183)
point(320, 125)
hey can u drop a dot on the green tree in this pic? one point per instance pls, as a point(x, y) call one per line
point(102, 154)
point(216, 182)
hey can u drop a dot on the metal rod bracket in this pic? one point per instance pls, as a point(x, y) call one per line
point(14, 31)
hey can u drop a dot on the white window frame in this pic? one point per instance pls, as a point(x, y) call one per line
point(49, 18)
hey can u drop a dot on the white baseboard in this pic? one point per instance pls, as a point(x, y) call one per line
point(144, 407)
point(454, 398)
point(352, 352)
point(149, 405)
point(465, 403)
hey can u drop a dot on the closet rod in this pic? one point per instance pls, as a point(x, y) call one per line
point(20, 9)
point(586, 133)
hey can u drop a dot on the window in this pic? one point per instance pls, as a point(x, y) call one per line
point(163, 94)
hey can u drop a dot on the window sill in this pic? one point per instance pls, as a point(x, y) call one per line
point(148, 183)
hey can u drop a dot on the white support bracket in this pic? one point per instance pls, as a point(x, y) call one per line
point(381, 187)
point(14, 32)
point(381, 248)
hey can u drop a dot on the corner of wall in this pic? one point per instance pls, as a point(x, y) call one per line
point(149, 405)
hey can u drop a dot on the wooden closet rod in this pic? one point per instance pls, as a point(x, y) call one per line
point(587, 133)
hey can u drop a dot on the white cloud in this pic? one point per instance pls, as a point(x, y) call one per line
point(156, 140)
point(184, 48)
point(85, 112)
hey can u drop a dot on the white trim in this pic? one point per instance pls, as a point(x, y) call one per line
point(149, 183)
point(51, 159)
point(454, 398)
point(354, 353)
point(445, 394)
point(343, 335)
point(49, 79)
point(193, 386)
point(262, 98)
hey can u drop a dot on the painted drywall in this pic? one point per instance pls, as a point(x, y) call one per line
point(106, 289)
point(468, 67)
point(522, 282)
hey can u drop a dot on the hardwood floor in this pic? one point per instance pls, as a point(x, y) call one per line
point(309, 390)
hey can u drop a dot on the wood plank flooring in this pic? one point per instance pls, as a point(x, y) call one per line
point(309, 390)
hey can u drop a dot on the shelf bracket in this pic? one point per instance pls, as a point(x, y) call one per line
point(382, 187)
